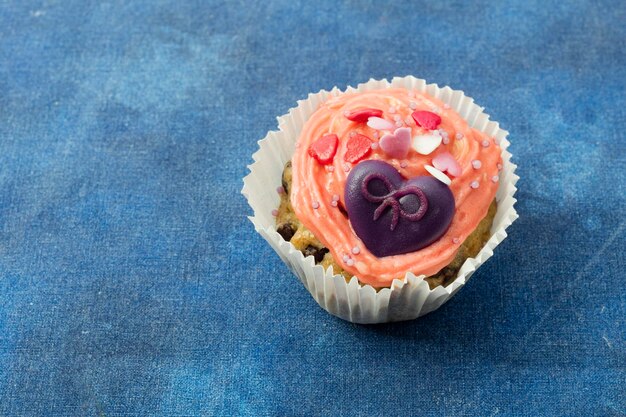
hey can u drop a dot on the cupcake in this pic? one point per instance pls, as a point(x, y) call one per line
point(388, 196)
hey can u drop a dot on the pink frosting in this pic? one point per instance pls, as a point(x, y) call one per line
point(314, 185)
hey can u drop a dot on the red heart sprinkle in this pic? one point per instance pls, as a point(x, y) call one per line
point(361, 115)
point(324, 148)
point(357, 148)
point(426, 119)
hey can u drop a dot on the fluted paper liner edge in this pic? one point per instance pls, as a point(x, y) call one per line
point(406, 298)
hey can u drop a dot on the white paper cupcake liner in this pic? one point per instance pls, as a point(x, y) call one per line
point(407, 298)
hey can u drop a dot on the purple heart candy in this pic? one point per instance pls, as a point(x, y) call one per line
point(392, 215)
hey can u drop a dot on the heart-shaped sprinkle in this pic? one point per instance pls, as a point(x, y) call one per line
point(380, 124)
point(438, 174)
point(324, 148)
point(397, 145)
point(446, 162)
point(426, 144)
point(357, 148)
point(361, 115)
point(426, 119)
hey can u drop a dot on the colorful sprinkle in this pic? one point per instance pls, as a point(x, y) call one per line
point(357, 148)
point(438, 174)
point(330, 168)
point(335, 197)
point(363, 115)
point(499, 167)
point(324, 149)
point(280, 190)
point(459, 136)
point(456, 240)
point(474, 184)
point(380, 124)
point(445, 162)
point(428, 120)
point(350, 262)
point(345, 258)
point(399, 124)
point(404, 164)
point(356, 250)
point(374, 145)
point(352, 133)
point(426, 144)
point(274, 212)
point(375, 134)
point(315, 205)
point(476, 164)
point(495, 178)
point(333, 203)
point(397, 144)
point(346, 167)
point(413, 105)
point(446, 140)
point(485, 143)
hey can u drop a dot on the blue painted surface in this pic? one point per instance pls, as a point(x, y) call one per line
point(132, 284)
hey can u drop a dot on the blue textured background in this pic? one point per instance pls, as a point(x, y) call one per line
point(132, 284)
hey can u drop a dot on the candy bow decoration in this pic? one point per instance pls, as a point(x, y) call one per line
point(391, 199)
point(393, 215)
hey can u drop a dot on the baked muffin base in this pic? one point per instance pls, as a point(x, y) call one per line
point(292, 230)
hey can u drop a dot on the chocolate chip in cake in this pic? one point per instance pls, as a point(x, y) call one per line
point(316, 253)
point(286, 179)
point(286, 230)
